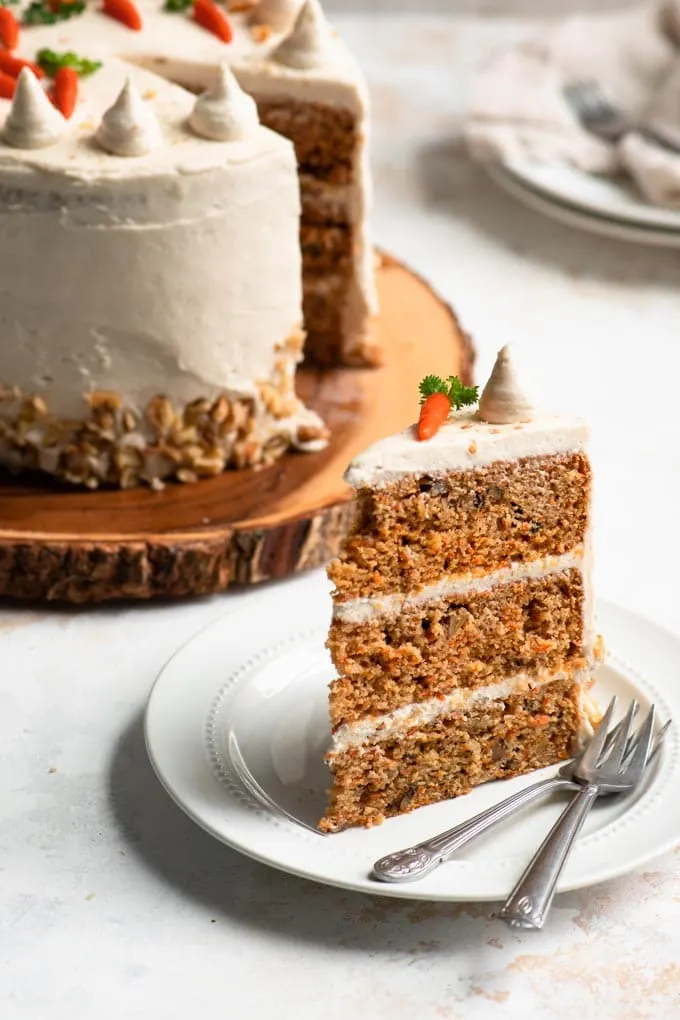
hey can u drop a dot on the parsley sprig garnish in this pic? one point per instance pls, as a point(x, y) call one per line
point(39, 12)
point(177, 6)
point(50, 61)
point(459, 395)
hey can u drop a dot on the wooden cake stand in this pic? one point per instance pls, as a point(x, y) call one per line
point(75, 546)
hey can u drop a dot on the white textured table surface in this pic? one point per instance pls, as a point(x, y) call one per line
point(114, 905)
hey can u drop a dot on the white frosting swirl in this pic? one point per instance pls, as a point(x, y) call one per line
point(279, 14)
point(503, 401)
point(225, 113)
point(309, 42)
point(33, 122)
point(129, 127)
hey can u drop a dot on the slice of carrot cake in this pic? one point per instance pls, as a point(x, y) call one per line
point(462, 632)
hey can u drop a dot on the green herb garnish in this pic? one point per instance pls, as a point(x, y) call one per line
point(39, 12)
point(8, 3)
point(177, 6)
point(51, 62)
point(458, 394)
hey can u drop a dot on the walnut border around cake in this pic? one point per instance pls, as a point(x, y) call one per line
point(244, 527)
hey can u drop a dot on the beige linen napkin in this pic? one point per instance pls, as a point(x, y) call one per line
point(517, 109)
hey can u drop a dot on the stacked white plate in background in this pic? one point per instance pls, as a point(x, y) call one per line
point(602, 205)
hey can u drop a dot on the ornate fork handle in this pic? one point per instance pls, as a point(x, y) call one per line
point(419, 860)
point(529, 903)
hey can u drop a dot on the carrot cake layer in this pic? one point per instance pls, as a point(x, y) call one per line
point(437, 642)
point(325, 137)
point(445, 748)
point(471, 519)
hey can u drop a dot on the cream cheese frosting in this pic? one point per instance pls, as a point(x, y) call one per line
point(224, 113)
point(278, 14)
point(309, 41)
point(503, 399)
point(211, 224)
point(504, 427)
point(32, 122)
point(176, 48)
point(129, 127)
point(464, 443)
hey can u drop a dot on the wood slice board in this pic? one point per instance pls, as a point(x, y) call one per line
point(75, 546)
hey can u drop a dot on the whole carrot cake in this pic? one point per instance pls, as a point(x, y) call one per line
point(463, 632)
point(183, 203)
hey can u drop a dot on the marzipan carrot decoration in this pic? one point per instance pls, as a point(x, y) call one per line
point(438, 398)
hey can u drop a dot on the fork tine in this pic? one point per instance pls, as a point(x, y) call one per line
point(594, 749)
point(618, 749)
point(638, 760)
point(656, 747)
point(660, 737)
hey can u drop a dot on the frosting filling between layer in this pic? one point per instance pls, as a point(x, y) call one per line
point(362, 610)
point(394, 725)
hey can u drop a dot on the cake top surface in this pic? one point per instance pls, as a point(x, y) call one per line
point(462, 444)
point(504, 427)
point(170, 54)
point(158, 118)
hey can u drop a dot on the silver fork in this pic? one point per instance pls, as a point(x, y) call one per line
point(616, 769)
point(599, 115)
point(415, 862)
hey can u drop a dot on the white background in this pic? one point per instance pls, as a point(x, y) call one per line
point(113, 905)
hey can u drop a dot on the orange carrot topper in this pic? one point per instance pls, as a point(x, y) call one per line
point(13, 66)
point(9, 29)
point(438, 398)
point(124, 11)
point(8, 85)
point(211, 17)
point(66, 91)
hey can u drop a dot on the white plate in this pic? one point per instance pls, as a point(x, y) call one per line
point(614, 198)
point(574, 216)
point(236, 727)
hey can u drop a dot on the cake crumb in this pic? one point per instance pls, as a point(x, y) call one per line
point(51, 771)
point(472, 448)
point(261, 33)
